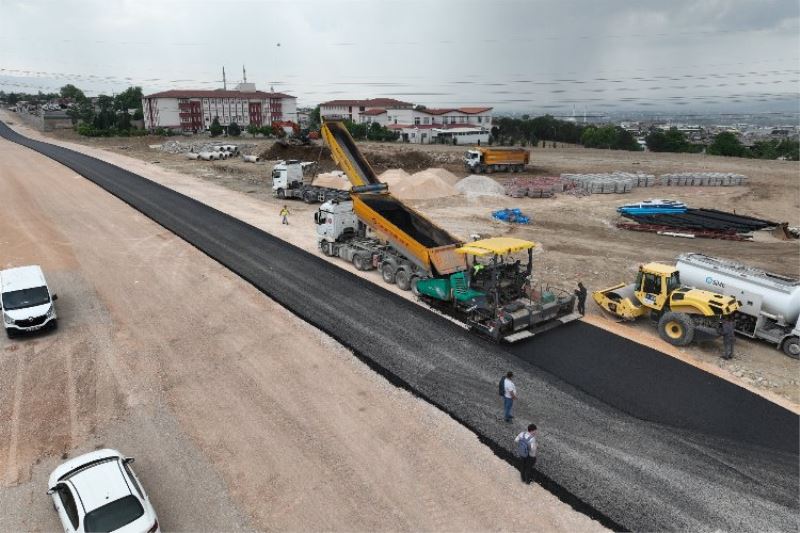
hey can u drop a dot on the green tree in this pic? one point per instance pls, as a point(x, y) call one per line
point(70, 91)
point(124, 121)
point(82, 112)
point(314, 119)
point(215, 129)
point(105, 117)
point(727, 144)
point(253, 130)
point(130, 98)
point(669, 141)
point(610, 137)
point(234, 129)
point(12, 98)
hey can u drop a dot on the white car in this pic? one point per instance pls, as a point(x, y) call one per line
point(25, 300)
point(98, 491)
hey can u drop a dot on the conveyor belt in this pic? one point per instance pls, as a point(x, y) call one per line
point(638, 440)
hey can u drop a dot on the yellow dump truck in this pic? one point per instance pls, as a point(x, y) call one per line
point(375, 230)
point(677, 311)
point(480, 160)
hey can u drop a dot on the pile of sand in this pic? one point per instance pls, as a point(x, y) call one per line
point(476, 185)
point(423, 185)
point(334, 180)
point(393, 177)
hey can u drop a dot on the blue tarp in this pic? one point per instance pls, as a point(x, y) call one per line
point(512, 216)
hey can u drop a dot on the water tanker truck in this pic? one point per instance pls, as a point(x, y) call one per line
point(769, 304)
point(480, 160)
point(375, 230)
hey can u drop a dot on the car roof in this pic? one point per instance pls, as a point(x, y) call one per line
point(100, 484)
point(26, 277)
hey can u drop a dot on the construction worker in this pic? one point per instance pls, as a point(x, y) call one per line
point(728, 331)
point(526, 451)
point(285, 215)
point(580, 292)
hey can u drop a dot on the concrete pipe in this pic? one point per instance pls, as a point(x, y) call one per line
point(192, 155)
point(206, 156)
point(251, 158)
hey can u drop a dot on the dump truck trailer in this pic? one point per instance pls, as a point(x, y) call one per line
point(769, 304)
point(480, 160)
point(375, 230)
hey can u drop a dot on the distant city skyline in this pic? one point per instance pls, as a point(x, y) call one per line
point(713, 56)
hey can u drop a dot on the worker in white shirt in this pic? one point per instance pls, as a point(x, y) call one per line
point(509, 396)
point(526, 450)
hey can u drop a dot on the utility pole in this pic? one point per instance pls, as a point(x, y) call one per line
point(224, 82)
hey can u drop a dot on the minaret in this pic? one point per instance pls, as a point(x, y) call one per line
point(244, 75)
point(224, 82)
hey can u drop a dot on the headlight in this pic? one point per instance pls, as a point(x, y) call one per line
point(7, 319)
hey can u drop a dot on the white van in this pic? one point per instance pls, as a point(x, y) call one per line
point(25, 300)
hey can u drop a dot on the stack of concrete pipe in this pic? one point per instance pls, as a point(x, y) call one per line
point(703, 179)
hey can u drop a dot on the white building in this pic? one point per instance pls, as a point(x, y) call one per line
point(415, 125)
point(354, 109)
point(194, 110)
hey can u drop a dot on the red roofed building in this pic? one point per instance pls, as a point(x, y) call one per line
point(354, 109)
point(194, 110)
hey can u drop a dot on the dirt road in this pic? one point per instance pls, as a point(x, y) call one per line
point(166, 355)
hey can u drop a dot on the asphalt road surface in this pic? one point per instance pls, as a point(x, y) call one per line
point(638, 440)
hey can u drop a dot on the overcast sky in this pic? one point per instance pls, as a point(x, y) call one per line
point(598, 55)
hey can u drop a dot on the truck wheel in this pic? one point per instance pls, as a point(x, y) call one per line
point(281, 194)
point(489, 170)
point(359, 262)
point(414, 289)
point(327, 248)
point(403, 279)
point(676, 328)
point(388, 273)
point(791, 347)
point(10, 332)
point(309, 197)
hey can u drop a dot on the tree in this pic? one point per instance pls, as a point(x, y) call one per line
point(727, 144)
point(669, 141)
point(234, 129)
point(130, 98)
point(12, 98)
point(105, 117)
point(610, 137)
point(253, 130)
point(124, 121)
point(70, 91)
point(215, 129)
point(81, 112)
point(314, 119)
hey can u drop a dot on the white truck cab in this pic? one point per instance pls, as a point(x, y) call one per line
point(287, 176)
point(26, 301)
point(335, 221)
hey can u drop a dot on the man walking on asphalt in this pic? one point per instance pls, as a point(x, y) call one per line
point(580, 292)
point(728, 337)
point(509, 395)
point(526, 450)
point(285, 215)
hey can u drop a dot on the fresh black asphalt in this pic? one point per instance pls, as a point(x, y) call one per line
point(629, 436)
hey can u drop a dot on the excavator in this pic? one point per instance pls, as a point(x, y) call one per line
point(677, 311)
point(481, 284)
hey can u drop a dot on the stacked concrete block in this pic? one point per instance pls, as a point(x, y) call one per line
point(703, 179)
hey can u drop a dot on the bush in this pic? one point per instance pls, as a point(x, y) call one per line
point(215, 129)
point(234, 129)
point(727, 144)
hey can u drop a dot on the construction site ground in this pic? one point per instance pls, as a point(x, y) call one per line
point(160, 353)
point(576, 235)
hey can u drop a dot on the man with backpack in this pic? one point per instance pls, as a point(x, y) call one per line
point(509, 393)
point(526, 450)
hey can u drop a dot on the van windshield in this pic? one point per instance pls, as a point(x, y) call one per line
point(25, 298)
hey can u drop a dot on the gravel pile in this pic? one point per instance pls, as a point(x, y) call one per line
point(476, 185)
point(424, 185)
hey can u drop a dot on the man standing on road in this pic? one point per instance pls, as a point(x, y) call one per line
point(285, 215)
point(728, 331)
point(580, 292)
point(526, 450)
point(509, 395)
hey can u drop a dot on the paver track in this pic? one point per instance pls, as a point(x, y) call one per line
point(665, 454)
